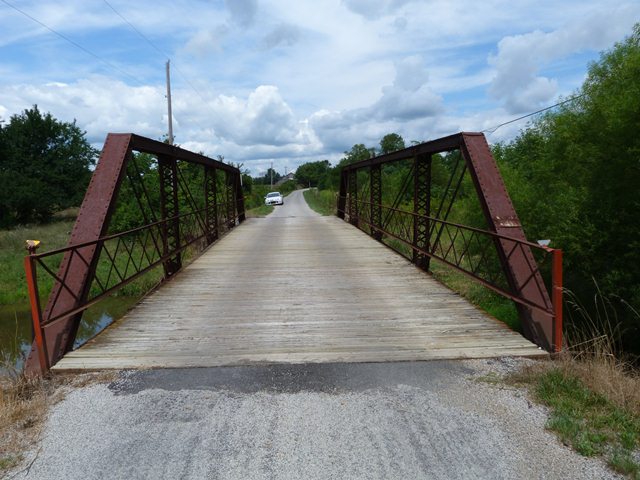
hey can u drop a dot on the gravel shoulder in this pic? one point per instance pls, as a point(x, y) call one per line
point(438, 420)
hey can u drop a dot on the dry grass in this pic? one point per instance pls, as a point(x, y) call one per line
point(24, 405)
point(592, 393)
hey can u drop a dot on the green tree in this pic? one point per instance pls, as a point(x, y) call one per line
point(44, 167)
point(391, 143)
point(311, 173)
point(574, 176)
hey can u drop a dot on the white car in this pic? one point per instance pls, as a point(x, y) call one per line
point(273, 198)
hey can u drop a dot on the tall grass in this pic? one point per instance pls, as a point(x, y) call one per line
point(12, 252)
point(322, 201)
point(592, 391)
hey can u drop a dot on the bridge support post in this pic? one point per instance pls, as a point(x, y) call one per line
point(210, 195)
point(375, 201)
point(230, 201)
point(352, 183)
point(421, 209)
point(239, 198)
point(168, 170)
point(342, 196)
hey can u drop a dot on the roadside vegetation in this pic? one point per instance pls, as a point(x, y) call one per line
point(321, 201)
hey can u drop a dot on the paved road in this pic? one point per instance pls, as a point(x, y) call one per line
point(432, 420)
point(294, 206)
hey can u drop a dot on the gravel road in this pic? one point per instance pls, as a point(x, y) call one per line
point(435, 420)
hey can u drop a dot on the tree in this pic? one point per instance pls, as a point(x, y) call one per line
point(574, 177)
point(358, 152)
point(391, 143)
point(44, 167)
point(311, 173)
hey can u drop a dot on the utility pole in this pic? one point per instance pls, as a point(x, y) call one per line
point(271, 170)
point(169, 105)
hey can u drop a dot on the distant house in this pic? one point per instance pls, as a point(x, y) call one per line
point(286, 178)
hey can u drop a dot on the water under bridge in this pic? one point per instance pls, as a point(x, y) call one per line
point(294, 286)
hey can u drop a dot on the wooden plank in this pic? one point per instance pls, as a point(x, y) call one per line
point(297, 289)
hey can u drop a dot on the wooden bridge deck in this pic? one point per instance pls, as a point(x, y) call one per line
point(297, 287)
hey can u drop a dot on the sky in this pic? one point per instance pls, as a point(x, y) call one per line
point(283, 81)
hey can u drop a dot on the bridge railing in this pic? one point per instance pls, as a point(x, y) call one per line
point(414, 221)
point(181, 202)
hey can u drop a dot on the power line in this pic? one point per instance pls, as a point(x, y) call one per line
point(134, 28)
point(569, 100)
point(155, 47)
point(75, 44)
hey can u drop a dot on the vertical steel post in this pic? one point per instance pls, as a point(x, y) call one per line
point(36, 315)
point(342, 195)
point(239, 194)
point(421, 209)
point(556, 293)
point(229, 200)
point(168, 171)
point(353, 197)
point(211, 199)
point(375, 201)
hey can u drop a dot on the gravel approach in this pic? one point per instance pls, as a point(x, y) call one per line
point(435, 420)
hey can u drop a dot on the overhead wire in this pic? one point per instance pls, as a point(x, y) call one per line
point(75, 44)
point(569, 100)
point(160, 51)
point(154, 46)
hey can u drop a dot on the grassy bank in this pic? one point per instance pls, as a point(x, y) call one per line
point(261, 211)
point(594, 407)
point(494, 304)
point(12, 252)
point(322, 201)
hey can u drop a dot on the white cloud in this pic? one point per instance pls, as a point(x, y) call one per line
point(290, 81)
point(520, 58)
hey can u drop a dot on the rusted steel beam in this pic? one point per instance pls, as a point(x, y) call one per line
point(444, 144)
point(76, 272)
point(422, 209)
point(230, 200)
point(159, 148)
point(91, 224)
point(502, 218)
point(36, 313)
point(342, 195)
point(239, 196)
point(211, 199)
point(352, 183)
point(557, 292)
point(375, 198)
point(169, 208)
point(518, 264)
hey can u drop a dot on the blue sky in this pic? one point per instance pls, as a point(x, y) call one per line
point(274, 80)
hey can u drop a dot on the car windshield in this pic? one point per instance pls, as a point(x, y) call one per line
point(273, 194)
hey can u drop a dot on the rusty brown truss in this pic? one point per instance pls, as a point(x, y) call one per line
point(425, 233)
point(167, 231)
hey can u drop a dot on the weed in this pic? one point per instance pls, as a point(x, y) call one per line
point(322, 201)
point(261, 211)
